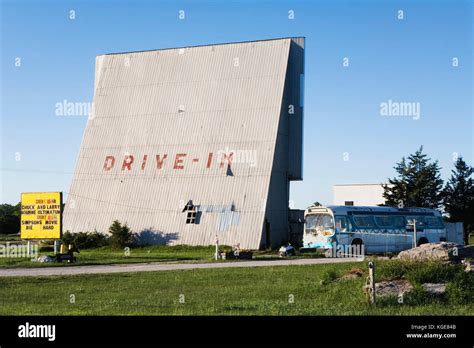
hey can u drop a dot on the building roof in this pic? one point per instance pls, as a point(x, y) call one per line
point(300, 38)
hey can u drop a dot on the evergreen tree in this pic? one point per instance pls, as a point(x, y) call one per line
point(458, 196)
point(418, 183)
point(121, 235)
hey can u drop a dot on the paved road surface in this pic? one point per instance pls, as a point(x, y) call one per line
point(159, 266)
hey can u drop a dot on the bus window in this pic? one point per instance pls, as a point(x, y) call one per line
point(342, 224)
point(320, 222)
point(388, 221)
point(420, 221)
point(364, 221)
point(311, 221)
point(433, 222)
point(324, 222)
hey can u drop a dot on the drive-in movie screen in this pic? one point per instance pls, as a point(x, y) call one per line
point(236, 173)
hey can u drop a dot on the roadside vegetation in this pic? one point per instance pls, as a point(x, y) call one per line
point(459, 289)
point(418, 183)
point(109, 254)
point(283, 290)
point(122, 246)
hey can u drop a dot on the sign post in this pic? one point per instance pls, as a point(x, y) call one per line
point(414, 233)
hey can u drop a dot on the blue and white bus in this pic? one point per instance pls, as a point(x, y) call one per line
point(377, 229)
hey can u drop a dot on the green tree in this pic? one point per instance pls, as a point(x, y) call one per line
point(418, 183)
point(458, 196)
point(10, 218)
point(121, 235)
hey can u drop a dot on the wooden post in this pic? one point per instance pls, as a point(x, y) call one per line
point(372, 282)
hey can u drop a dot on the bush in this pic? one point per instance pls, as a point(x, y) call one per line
point(418, 272)
point(433, 272)
point(67, 238)
point(328, 277)
point(85, 240)
point(461, 289)
point(459, 284)
point(121, 235)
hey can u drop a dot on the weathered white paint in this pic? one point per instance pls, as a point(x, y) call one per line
point(193, 101)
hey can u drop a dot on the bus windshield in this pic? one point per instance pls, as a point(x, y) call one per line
point(320, 222)
point(434, 222)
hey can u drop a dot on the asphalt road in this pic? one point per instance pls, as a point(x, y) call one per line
point(159, 266)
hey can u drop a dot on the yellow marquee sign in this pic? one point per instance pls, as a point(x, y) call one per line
point(41, 215)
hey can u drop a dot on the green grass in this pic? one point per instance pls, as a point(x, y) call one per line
point(232, 291)
point(109, 255)
point(157, 253)
point(9, 237)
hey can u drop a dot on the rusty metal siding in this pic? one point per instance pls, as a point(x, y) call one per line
point(191, 100)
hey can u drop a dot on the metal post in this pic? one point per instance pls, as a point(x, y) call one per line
point(372, 282)
point(55, 247)
point(217, 248)
point(414, 233)
point(28, 248)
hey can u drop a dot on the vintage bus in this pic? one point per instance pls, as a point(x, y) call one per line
point(376, 229)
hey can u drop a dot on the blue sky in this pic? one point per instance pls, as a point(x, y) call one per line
point(409, 60)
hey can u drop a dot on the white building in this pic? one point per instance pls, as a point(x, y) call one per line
point(358, 194)
point(190, 144)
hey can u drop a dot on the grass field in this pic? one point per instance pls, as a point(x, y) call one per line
point(9, 237)
point(156, 253)
point(109, 255)
point(236, 291)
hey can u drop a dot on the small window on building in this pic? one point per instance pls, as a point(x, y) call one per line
point(349, 203)
point(191, 217)
point(192, 213)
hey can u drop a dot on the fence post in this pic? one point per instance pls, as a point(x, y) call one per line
point(372, 282)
